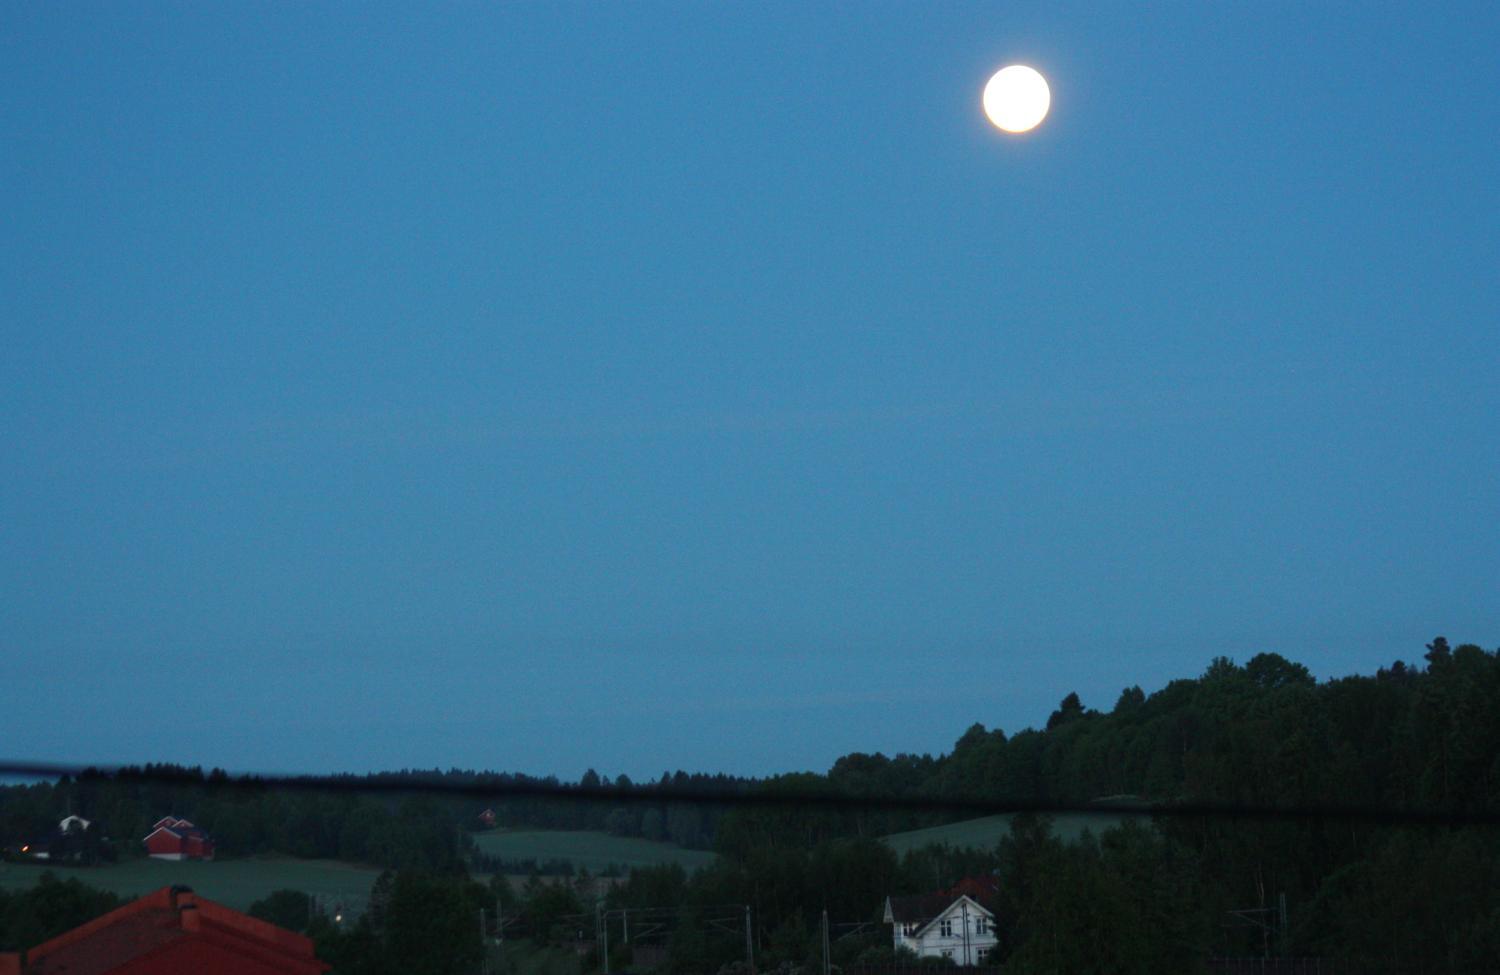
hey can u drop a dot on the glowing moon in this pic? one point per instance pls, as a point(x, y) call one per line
point(1017, 98)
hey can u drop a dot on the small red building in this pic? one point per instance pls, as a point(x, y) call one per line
point(487, 819)
point(170, 932)
point(177, 839)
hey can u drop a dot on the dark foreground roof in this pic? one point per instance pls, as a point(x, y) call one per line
point(171, 930)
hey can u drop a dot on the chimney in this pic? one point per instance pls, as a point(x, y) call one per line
point(185, 903)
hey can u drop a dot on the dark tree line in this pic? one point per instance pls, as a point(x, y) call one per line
point(245, 818)
point(47, 909)
point(1265, 733)
point(417, 923)
point(1146, 898)
point(409, 819)
point(690, 824)
point(1376, 897)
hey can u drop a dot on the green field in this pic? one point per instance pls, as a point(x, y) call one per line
point(586, 848)
point(235, 883)
point(985, 833)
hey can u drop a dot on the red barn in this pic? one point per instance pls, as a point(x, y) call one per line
point(178, 839)
point(170, 932)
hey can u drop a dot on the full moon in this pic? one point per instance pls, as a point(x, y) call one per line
point(1017, 98)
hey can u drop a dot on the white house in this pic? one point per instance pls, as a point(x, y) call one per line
point(942, 925)
point(72, 823)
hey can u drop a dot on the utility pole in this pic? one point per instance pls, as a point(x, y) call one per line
point(826, 963)
point(500, 931)
point(484, 952)
point(749, 943)
point(1259, 917)
point(603, 935)
point(1281, 927)
point(965, 905)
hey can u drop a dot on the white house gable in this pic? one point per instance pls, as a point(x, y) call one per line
point(935, 926)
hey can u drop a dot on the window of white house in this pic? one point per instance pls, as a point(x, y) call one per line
point(979, 925)
point(947, 952)
point(908, 929)
point(946, 930)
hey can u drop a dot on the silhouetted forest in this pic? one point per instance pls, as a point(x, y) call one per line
point(1163, 893)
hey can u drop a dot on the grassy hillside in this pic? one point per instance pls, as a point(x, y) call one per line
point(985, 833)
point(235, 883)
point(586, 848)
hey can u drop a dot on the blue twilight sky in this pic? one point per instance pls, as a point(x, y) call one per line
point(649, 386)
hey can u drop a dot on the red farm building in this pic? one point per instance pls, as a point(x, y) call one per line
point(177, 839)
point(171, 931)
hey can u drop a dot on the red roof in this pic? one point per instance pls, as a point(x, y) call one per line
point(921, 909)
point(170, 821)
point(173, 931)
point(981, 889)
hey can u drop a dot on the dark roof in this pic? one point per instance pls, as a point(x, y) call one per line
point(920, 908)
